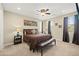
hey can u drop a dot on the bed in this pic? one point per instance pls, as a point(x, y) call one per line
point(36, 40)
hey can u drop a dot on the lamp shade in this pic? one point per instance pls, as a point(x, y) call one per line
point(18, 29)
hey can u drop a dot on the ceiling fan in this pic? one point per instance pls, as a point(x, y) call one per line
point(44, 12)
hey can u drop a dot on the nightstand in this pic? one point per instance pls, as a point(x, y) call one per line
point(17, 39)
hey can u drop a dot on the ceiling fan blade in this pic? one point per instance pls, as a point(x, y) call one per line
point(47, 9)
point(38, 10)
point(36, 14)
point(48, 13)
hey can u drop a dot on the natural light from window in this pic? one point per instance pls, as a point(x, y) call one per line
point(71, 20)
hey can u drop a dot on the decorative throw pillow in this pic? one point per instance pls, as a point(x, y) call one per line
point(33, 31)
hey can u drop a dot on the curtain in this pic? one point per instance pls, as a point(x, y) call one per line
point(77, 8)
point(65, 30)
point(76, 30)
point(42, 27)
point(49, 27)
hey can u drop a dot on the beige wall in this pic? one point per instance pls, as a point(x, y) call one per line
point(1, 26)
point(57, 32)
point(11, 21)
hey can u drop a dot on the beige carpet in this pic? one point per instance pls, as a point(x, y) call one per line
point(61, 49)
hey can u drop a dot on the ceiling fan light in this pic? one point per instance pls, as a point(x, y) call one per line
point(43, 14)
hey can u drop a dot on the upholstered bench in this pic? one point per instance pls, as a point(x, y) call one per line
point(46, 43)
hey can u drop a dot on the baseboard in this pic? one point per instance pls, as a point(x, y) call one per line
point(8, 44)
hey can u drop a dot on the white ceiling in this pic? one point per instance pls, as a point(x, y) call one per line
point(29, 9)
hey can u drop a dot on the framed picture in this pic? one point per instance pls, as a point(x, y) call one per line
point(30, 23)
point(60, 26)
point(56, 24)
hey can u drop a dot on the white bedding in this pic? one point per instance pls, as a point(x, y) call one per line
point(44, 43)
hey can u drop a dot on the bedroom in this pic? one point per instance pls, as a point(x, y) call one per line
point(15, 14)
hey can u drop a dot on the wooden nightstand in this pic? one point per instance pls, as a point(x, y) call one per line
point(17, 39)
